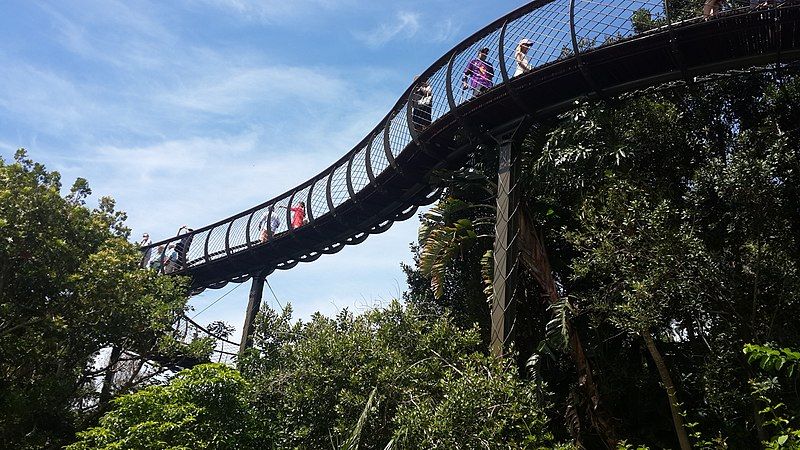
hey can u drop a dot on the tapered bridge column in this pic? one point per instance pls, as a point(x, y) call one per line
point(253, 305)
point(506, 262)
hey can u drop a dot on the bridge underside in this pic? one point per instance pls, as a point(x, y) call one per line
point(666, 54)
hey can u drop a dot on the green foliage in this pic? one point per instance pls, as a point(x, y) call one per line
point(772, 360)
point(485, 405)
point(445, 234)
point(644, 260)
point(785, 432)
point(69, 286)
point(315, 379)
point(202, 408)
point(676, 213)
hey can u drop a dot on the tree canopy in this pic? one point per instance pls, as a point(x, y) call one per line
point(70, 287)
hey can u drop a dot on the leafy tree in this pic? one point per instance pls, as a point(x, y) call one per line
point(205, 407)
point(69, 287)
point(673, 213)
point(314, 380)
point(485, 405)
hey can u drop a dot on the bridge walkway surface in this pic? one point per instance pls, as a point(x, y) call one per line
point(579, 49)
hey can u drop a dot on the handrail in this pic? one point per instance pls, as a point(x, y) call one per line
point(573, 26)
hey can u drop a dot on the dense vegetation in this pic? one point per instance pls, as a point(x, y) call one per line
point(657, 304)
point(670, 223)
point(70, 287)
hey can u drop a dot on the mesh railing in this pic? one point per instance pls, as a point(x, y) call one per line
point(536, 35)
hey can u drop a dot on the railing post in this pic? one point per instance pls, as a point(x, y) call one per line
point(247, 227)
point(309, 209)
point(501, 48)
point(677, 58)
point(368, 160)
point(289, 207)
point(578, 58)
point(412, 127)
point(270, 231)
point(506, 262)
point(387, 148)
point(228, 237)
point(451, 100)
point(350, 190)
point(328, 194)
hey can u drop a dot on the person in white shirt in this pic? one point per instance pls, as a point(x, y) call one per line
point(521, 57)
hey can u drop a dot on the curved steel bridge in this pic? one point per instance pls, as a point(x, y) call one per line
point(580, 49)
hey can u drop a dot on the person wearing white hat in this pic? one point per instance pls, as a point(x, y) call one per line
point(521, 57)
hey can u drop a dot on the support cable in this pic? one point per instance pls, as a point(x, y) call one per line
point(273, 293)
point(217, 300)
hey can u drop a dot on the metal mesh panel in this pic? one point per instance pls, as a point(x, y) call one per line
point(237, 238)
point(280, 211)
point(194, 248)
point(466, 86)
point(399, 136)
point(377, 155)
point(548, 30)
point(598, 22)
point(359, 171)
point(319, 199)
point(258, 222)
point(605, 22)
point(438, 84)
point(216, 243)
point(339, 192)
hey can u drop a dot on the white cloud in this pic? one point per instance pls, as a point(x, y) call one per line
point(110, 32)
point(404, 25)
point(42, 97)
point(229, 90)
point(446, 30)
point(273, 11)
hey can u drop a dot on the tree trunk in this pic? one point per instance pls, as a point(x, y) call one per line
point(108, 379)
point(534, 258)
point(666, 380)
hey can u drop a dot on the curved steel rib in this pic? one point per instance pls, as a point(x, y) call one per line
point(580, 49)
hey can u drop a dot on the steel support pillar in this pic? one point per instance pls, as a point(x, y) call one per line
point(253, 305)
point(506, 262)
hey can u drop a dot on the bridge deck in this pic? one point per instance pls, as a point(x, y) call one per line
point(580, 50)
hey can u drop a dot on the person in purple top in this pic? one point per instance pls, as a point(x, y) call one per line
point(479, 74)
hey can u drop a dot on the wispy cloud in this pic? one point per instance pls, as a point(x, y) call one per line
point(446, 30)
point(114, 34)
point(405, 25)
point(43, 97)
point(272, 11)
point(231, 89)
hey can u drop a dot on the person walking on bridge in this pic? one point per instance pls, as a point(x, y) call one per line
point(146, 242)
point(521, 57)
point(711, 8)
point(479, 74)
point(298, 214)
point(269, 216)
point(421, 103)
point(182, 246)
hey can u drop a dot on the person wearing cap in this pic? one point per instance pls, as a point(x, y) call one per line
point(521, 57)
point(421, 105)
point(146, 243)
point(479, 74)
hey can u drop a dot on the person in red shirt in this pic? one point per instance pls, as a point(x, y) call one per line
point(298, 214)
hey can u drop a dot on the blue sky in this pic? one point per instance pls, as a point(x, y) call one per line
point(188, 111)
